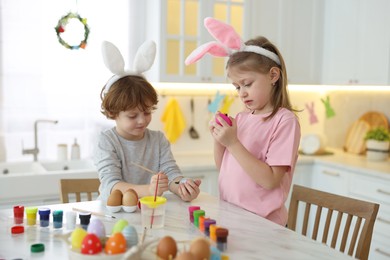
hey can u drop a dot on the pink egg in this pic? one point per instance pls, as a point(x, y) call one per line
point(91, 245)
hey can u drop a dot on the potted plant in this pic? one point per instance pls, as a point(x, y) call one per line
point(377, 144)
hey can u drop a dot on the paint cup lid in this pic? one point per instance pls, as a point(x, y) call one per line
point(58, 213)
point(17, 229)
point(44, 211)
point(36, 248)
point(199, 212)
point(193, 208)
point(31, 210)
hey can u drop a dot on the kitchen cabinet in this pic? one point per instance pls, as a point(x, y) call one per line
point(296, 28)
point(330, 179)
point(378, 191)
point(177, 27)
point(357, 42)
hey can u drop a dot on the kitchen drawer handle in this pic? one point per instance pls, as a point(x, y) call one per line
point(383, 192)
point(384, 220)
point(335, 174)
point(380, 251)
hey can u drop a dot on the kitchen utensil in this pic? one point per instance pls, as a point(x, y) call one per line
point(354, 142)
point(193, 133)
point(375, 119)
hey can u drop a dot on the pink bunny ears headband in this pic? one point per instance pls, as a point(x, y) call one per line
point(113, 60)
point(228, 42)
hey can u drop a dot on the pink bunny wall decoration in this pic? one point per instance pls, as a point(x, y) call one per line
point(312, 115)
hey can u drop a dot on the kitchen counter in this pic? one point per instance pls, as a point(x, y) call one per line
point(250, 236)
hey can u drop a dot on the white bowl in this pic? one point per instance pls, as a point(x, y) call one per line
point(114, 209)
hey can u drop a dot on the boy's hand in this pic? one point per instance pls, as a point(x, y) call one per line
point(162, 184)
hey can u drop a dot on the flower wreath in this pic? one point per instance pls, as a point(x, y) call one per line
point(61, 26)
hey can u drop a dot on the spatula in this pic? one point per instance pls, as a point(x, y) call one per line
point(193, 133)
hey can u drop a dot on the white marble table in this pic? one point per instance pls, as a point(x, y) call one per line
point(250, 236)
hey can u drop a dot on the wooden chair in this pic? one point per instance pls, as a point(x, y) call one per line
point(356, 212)
point(78, 187)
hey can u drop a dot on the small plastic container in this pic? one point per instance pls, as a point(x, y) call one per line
point(57, 218)
point(191, 210)
point(44, 217)
point(153, 212)
point(18, 214)
point(207, 224)
point(197, 214)
point(85, 218)
point(202, 219)
point(222, 234)
point(212, 229)
point(70, 220)
point(31, 213)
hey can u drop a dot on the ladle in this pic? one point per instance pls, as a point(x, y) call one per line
point(193, 133)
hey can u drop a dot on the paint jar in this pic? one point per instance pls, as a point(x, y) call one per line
point(197, 214)
point(44, 217)
point(207, 224)
point(191, 210)
point(212, 229)
point(31, 213)
point(85, 217)
point(18, 214)
point(57, 218)
point(71, 220)
point(222, 234)
point(201, 221)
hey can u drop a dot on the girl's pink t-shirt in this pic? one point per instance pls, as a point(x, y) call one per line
point(274, 142)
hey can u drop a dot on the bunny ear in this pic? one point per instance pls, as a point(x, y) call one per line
point(144, 57)
point(223, 33)
point(213, 48)
point(112, 58)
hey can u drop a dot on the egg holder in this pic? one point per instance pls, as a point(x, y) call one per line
point(127, 208)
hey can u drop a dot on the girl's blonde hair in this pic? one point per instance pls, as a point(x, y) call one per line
point(128, 93)
point(250, 61)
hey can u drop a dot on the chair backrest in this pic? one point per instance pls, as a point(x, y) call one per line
point(356, 228)
point(78, 187)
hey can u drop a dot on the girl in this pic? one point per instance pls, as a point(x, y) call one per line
point(257, 153)
point(129, 99)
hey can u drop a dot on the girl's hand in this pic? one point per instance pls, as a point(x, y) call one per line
point(223, 132)
point(162, 184)
point(189, 190)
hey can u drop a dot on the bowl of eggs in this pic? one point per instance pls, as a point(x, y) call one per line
point(127, 201)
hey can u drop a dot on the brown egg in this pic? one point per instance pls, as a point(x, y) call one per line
point(185, 256)
point(115, 198)
point(200, 248)
point(130, 198)
point(167, 248)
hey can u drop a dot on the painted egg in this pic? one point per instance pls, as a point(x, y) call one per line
point(131, 236)
point(167, 248)
point(119, 226)
point(91, 245)
point(200, 248)
point(96, 227)
point(116, 244)
point(77, 237)
point(130, 198)
point(115, 198)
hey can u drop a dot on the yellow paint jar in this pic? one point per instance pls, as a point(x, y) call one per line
point(31, 213)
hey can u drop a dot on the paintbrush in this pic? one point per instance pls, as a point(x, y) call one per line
point(93, 213)
point(148, 170)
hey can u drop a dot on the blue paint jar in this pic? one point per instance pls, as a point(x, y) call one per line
point(57, 218)
point(44, 217)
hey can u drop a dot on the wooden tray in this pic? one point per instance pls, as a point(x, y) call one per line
point(354, 142)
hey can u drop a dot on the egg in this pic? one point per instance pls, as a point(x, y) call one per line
point(200, 248)
point(116, 244)
point(96, 227)
point(186, 256)
point(77, 237)
point(130, 198)
point(131, 236)
point(167, 248)
point(119, 226)
point(115, 198)
point(91, 245)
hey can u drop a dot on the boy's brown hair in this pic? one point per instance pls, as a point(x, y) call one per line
point(128, 93)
